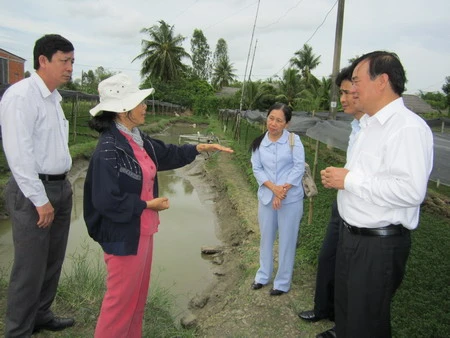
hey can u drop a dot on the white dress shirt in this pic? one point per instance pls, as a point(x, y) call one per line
point(389, 165)
point(35, 135)
point(351, 140)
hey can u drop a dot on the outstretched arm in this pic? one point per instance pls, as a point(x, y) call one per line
point(208, 147)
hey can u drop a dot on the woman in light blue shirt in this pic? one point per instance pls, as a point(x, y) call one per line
point(278, 166)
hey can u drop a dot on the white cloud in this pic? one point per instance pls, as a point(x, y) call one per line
point(106, 32)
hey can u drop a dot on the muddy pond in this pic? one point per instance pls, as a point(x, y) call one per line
point(189, 224)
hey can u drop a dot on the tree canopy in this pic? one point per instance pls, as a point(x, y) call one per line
point(201, 55)
point(162, 54)
point(306, 61)
point(223, 72)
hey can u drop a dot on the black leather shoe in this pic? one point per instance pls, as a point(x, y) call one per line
point(327, 334)
point(56, 324)
point(256, 286)
point(309, 316)
point(275, 292)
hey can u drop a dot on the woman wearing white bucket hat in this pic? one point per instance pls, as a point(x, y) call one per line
point(121, 202)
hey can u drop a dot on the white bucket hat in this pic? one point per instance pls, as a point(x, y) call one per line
point(119, 94)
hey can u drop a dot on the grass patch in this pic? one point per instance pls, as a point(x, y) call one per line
point(421, 307)
point(80, 294)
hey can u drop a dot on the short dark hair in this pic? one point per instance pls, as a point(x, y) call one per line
point(382, 62)
point(344, 74)
point(48, 45)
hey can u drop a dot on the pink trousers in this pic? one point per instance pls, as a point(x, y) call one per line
point(127, 283)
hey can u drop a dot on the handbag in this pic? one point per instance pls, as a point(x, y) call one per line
point(309, 186)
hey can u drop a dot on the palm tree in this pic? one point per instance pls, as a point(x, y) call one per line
point(316, 97)
point(163, 53)
point(266, 96)
point(223, 73)
point(290, 86)
point(306, 61)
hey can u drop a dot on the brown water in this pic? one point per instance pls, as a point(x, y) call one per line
point(189, 224)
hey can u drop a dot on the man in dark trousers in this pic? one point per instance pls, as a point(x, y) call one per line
point(324, 294)
point(380, 190)
point(38, 194)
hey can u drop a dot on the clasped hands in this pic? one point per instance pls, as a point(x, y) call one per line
point(280, 192)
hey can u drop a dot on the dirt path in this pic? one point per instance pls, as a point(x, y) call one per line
point(233, 309)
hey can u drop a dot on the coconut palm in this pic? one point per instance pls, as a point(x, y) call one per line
point(162, 54)
point(290, 86)
point(248, 98)
point(223, 73)
point(316, 97)
point(306, 61)
point(266, 96)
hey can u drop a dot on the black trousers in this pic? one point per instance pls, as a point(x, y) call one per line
point(38, 257)
point(324, 296)
point(369, 269)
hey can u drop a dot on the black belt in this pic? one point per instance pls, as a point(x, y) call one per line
point(47, 177)
point(389, 230)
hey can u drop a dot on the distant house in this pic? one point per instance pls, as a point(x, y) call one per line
point(417, 104)
point(12, 67)
point(227, 91)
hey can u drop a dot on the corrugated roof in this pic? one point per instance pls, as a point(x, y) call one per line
point(417, 104)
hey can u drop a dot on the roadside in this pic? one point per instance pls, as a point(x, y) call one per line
point(233, 309)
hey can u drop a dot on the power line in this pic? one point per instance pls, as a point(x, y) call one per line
point(324, 19)
point(248, 57)
point(433, 85)
point(238, 12)
point(185, 10)
point(314, 33)
point(281, 17)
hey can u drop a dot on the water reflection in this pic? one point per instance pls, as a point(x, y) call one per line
point(189, 224)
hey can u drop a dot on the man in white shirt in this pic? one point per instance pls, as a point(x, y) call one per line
point(38, 194)
point(380, 191)
point(324, 294)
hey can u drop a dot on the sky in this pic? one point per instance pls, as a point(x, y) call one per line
point(262, 36)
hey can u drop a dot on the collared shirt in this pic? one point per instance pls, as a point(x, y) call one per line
point(35, 135)
point(351, 140)
point(389, 165)
point(278, 163)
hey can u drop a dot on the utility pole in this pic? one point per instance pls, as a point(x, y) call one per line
point(248, 56)
point(253, 60)
point(336, 60)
